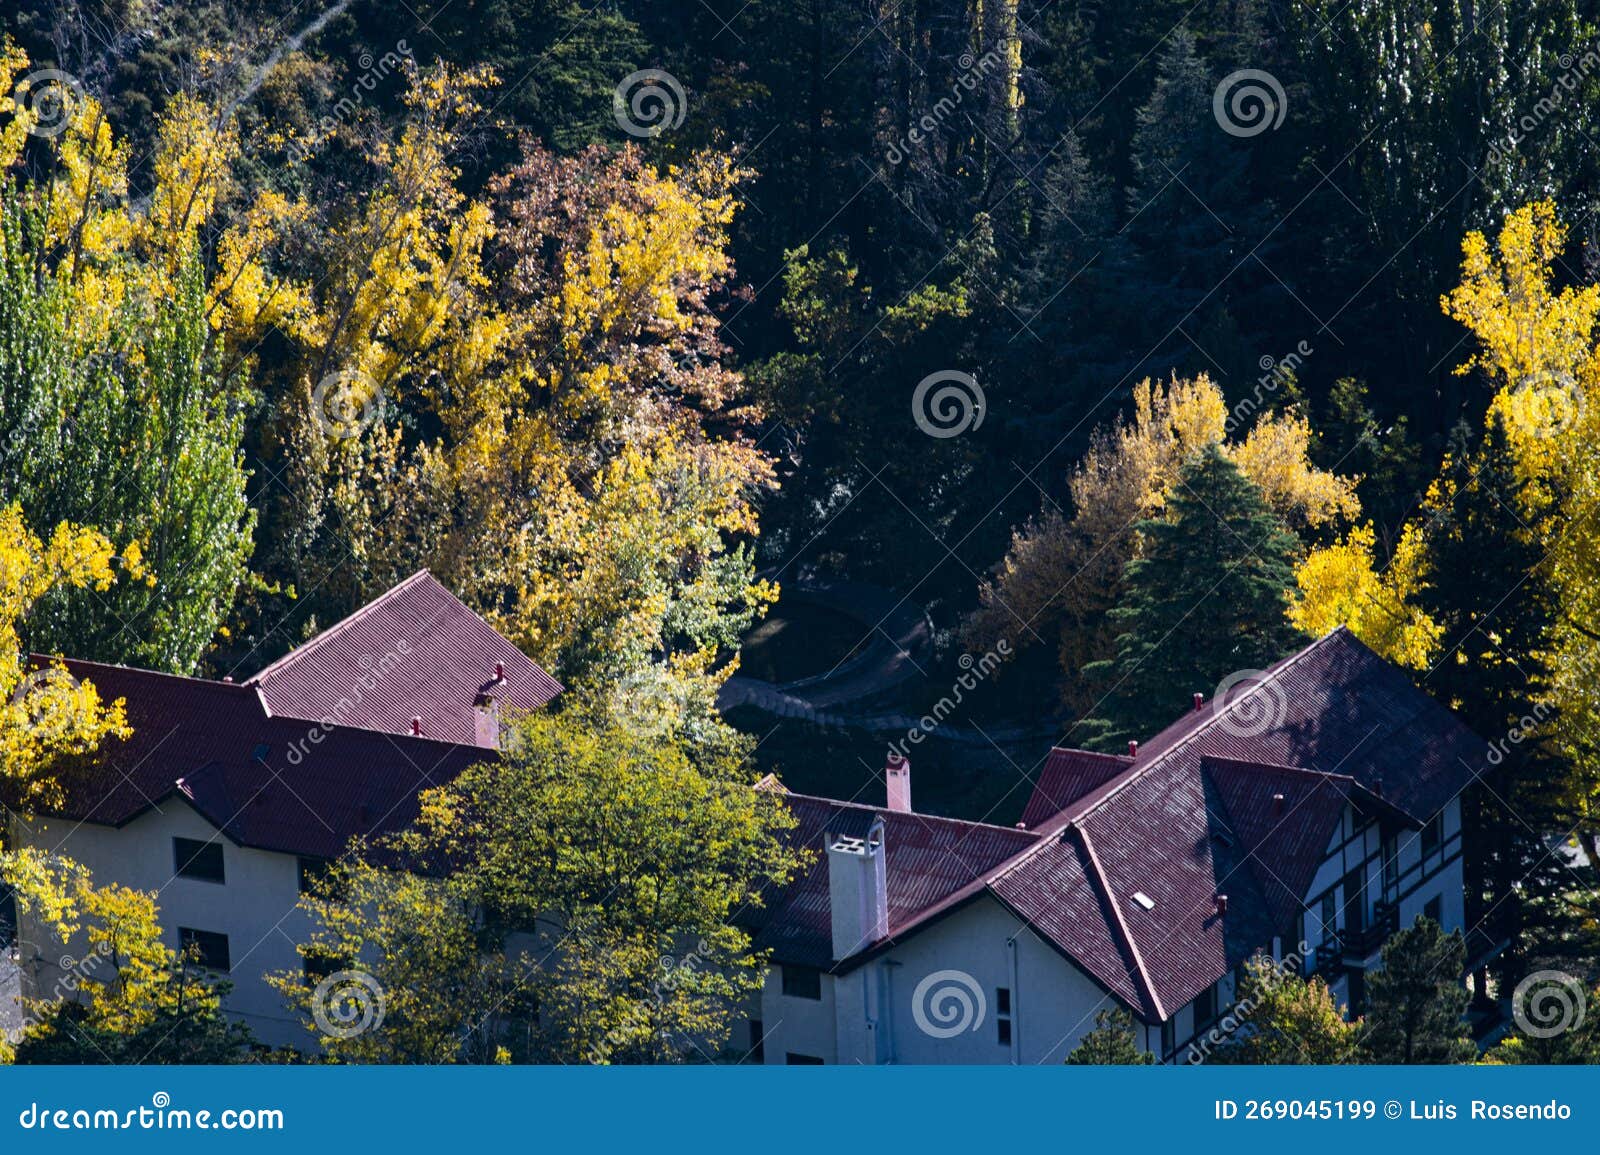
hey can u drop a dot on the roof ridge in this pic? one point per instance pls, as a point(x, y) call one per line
point(1123, 931)
point(1136, 771)
point(33, 655)
point(338, 627)
point(787, 793)
point(1284, 766)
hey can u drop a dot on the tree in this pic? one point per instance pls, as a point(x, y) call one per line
point(136, 431)
point(1111, 1043)
point(1288, 1019)
point(1344, 584)
point(1065, 571)
point(1206, 597)
point(1564, 1031)
point(577, 901)
point(1416, 1001)
point(45, 713)
point(133, 999)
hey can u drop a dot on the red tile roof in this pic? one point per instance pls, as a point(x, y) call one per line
point(1067, 776)
point(1192, 817)
point(275, 783)
point(932, 863)
point(414, 652)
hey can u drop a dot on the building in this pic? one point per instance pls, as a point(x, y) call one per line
point(1309, 815)
point(228, 796)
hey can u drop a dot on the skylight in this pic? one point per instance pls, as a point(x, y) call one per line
point(1144, 900)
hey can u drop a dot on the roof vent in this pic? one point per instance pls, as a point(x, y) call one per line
point(1277, 805)
point(1222, 904)
point(1022, 826)
point(259, 754)
point(1377, 785)
point(1144, 900)
point(1199, 701)
point(416, 727)
point(1133, 748)
point(499, 671)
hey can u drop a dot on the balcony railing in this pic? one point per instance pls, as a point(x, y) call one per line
point(1367, 941)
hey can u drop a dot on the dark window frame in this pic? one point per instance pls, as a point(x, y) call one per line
point(187, 852)
point(1432, 836)
point(796, 1059)
point(802, 982)
point(205, 940)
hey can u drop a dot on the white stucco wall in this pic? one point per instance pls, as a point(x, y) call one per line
point(868, 1016)
point(255, 908)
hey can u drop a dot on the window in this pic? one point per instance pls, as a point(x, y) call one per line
point(802, 982)
point(1434, 909)
point(1391, 863)
point(200, 860)
point(1330, 907)
point(1002, 1000)
point(1432, 835)
point(209, 946)
point(1205, 1008)
point(758, 1039)
point(319, 965)
point(1003, 1031)
point(1169, 1038)
point(798, 1060)
point(311, 869)
point(1002, 1015)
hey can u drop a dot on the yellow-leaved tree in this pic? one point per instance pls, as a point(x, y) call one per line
point(527, 394)
point(1064, 570)
point(1537, 343)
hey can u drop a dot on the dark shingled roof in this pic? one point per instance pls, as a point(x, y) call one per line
point(261, 780)
point(1193, 816)
point(932, 864)
point(414, 652)
point(1067, 776)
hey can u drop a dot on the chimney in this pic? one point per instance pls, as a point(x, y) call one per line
point(1377, 785)
point(416, 727)
point(1133, 748)
point(1277, 805)
point(1199, 701)
point(486, 711)
point(897, 773)
point(1222, 904)
point(858, 890)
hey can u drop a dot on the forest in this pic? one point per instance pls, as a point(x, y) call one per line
point(1112, 348)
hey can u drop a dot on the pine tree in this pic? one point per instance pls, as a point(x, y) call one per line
point(1488, 587)
point(1206, 598)
point(1112, 1043)
point(1415, 1003)
point(1284, 1018)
